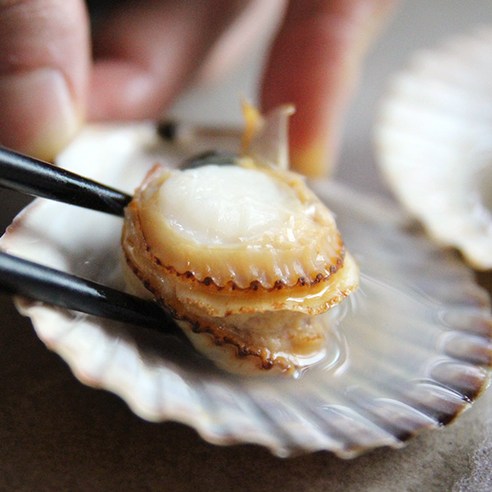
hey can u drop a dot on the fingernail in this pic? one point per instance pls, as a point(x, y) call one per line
point(312, 160)
point(38, 113)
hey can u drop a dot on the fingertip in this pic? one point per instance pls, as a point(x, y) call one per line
point(314, 159)
point(44, 65)
point(38, 114)
point(314, 64)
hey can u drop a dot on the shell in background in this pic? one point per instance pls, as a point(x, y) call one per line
point(409, 351)
point(434, 143)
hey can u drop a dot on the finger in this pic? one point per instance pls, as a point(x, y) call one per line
point(44, 55)
point(146, 52)
point(314, 64)
point(248, 32)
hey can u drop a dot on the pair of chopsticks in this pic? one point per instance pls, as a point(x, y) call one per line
point(21, 277)
point(33, 177)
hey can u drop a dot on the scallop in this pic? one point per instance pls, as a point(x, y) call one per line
point(244, 256)
point(434, 143)
point(408, 351)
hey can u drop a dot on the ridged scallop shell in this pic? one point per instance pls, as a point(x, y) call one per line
point(434, 143)
point(409, 351)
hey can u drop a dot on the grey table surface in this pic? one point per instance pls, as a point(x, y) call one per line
point(56, 434)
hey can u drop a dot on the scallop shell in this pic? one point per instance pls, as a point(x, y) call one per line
point(434, 143)
point(409, 351)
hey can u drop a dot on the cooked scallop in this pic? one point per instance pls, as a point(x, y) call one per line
point(244, 256)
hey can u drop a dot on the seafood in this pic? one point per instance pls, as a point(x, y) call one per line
point(434, 143)
point(244, 256)
point(407, 352)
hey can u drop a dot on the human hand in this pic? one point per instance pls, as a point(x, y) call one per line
point(146, 52)
point(314, 63)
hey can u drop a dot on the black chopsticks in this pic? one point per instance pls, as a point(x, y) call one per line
point(34, 177)
point(18, 276)
point(23, 277)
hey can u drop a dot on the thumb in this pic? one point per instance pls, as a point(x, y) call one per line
point(44, 60)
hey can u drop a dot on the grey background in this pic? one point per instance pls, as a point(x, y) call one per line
point(56, 434)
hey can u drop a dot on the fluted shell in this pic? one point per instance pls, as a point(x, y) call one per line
point(434, 143)
point(408, 351)
point(244, 256)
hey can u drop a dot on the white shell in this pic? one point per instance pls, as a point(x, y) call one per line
point(434, 143)
point(409, 351)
